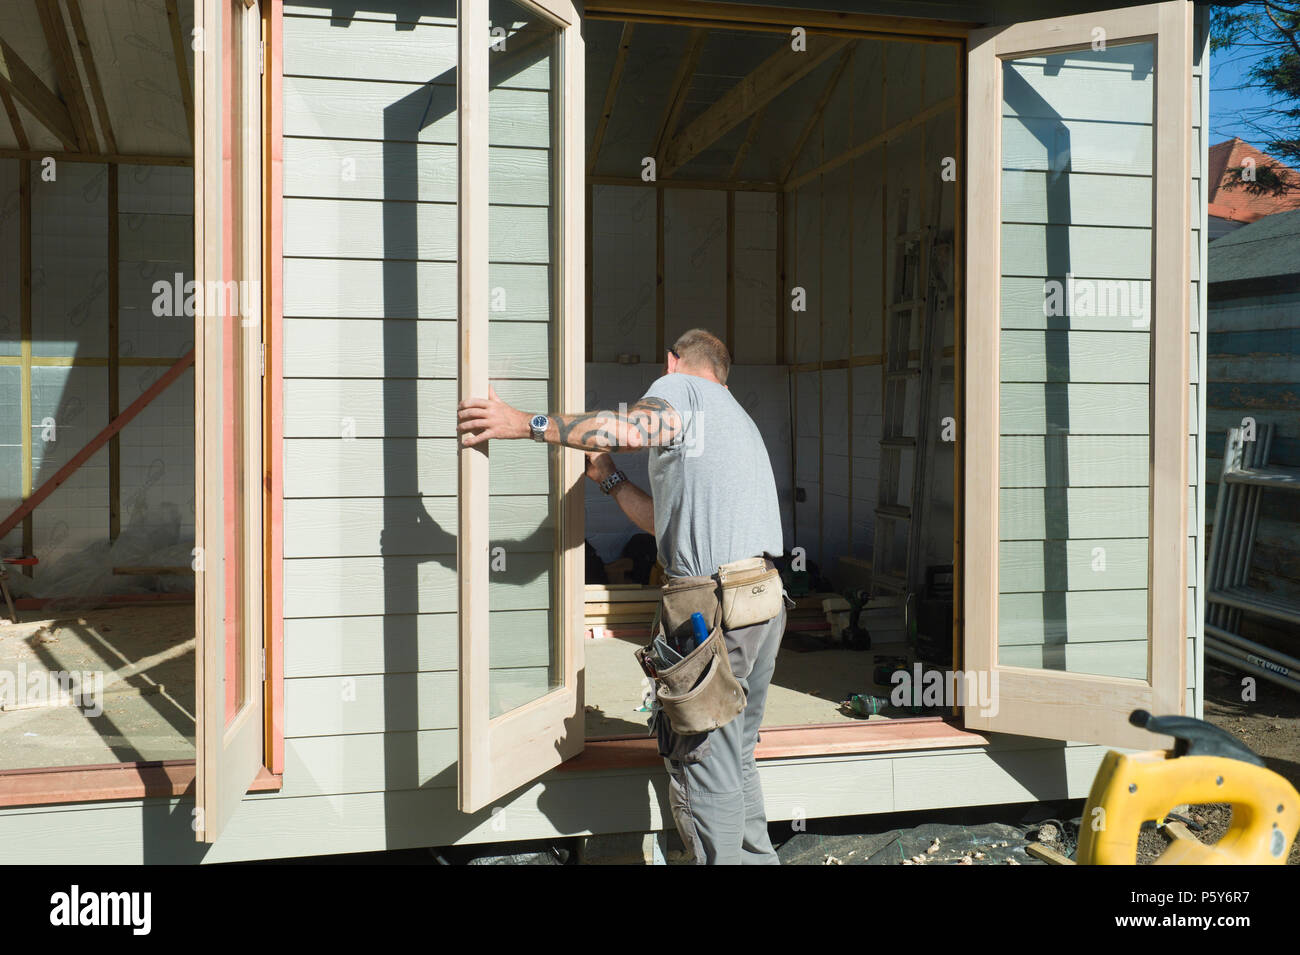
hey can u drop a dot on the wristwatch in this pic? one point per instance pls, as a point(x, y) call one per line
point(608, 484)
point(537, 425)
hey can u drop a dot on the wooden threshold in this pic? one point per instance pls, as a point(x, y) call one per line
point(62, 784)
point(784, 742)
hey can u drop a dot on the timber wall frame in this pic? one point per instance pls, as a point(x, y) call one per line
point(113, 361)
point(75, 117)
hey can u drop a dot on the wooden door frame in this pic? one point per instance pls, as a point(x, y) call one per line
point(899, 734)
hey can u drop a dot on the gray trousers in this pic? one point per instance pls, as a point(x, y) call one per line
point(714, 792)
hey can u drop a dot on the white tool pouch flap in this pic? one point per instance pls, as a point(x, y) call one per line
point(751, 592)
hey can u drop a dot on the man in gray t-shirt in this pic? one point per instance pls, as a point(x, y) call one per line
point(713, 501)
point(712, 485)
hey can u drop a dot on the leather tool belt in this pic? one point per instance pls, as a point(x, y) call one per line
point(699, 692)
point(751, 592)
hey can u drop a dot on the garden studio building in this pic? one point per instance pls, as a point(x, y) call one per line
point(255, 252)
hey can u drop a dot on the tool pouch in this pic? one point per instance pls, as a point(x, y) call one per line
point(751, 592)
point(699, 693)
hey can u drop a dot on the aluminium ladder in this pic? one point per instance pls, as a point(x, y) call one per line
point(1246, 475)
point(897, 545)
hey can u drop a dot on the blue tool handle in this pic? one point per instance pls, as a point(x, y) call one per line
point(700, 627)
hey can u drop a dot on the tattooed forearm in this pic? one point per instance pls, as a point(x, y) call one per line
point(589, 430)
point(651, 421)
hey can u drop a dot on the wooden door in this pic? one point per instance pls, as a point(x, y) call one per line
point(228, 412)
point(519, 549)
point(1076, 444)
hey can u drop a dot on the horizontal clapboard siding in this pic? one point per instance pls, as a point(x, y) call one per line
point(394, 408)
point(366, 229)
point(1099, 85)
point(353, 169)
point(399, 643)
point(1075, 353)
point(1075, 356)
point(1030, 408)
point(365, 467)
point(1074, 564)
point(398, 526)
point(370, 362)
point(361, 586)
point(522, 230)
point(402, 348)
point(408, 56)
point(355, 288)
point(435, 12)
point(1091, 251)
point(1033, 514)
point(1109, 305)
point(394, 702)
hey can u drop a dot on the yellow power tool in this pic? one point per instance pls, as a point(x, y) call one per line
point(1206, 765)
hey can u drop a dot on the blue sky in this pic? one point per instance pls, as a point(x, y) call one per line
point(1227, 72)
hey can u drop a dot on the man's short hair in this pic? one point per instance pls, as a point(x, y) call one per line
point(702, 349)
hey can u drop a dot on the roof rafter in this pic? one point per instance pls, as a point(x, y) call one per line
point(743, 151)
point(56, 37)
point(182, 68)
point(611, 95)
point(677, 98)
point(815, 117)
point(92, 76)
point(17, 78)
point(15, 120)
point(769, 79)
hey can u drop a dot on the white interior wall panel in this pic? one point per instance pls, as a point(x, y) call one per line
point(155, 244)
point(70, 260)
point(10, 263)
point(804, 206)
point(157, 462)
point(695, 262)
point(11, 452)
point(623, 264)
point(836, 490)
point(69, 407)
point(756, 280)
point(867, 420)
point(11, 484)
point(838, 270)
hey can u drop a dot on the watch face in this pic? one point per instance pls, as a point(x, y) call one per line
point(539, 421)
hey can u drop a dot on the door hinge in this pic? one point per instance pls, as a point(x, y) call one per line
point(261, 57)
point(263, 664)
point(261, 358)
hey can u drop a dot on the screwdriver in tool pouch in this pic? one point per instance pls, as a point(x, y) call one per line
point(699, 628)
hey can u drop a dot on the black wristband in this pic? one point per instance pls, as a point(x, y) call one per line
point(611, 482)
